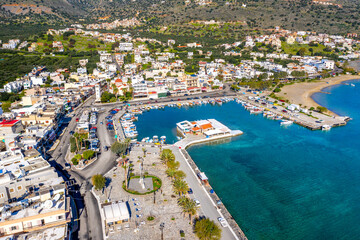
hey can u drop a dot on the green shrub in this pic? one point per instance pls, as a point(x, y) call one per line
point(75, 161)
point(88, 154)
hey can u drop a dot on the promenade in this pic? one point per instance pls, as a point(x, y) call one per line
point(207, 200)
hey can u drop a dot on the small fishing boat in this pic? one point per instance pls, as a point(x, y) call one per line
point(162, 139)
point(326, 127)
point(353, 85)
point(286, 123)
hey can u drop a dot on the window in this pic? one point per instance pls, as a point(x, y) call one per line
point(13, 228)
point(1, 195)
point(60, 217)
point(19, 188)
point(12, 190)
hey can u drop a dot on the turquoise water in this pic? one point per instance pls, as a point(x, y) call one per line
point(280, 183)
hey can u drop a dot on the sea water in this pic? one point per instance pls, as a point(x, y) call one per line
point(277, 182)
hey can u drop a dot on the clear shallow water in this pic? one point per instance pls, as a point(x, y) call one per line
point(280, 183)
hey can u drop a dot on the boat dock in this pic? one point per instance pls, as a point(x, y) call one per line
point(198, 139)
point(315, 121)
point(201, 131)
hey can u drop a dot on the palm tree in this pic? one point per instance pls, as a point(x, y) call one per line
point(171, 172)
point(179, 174)
point(173, 164)
point(180, 187)
point(188, 206)
point(124, 166)
point(206, 229)
point(167, 156)
point(115, 90)
point(144, 151)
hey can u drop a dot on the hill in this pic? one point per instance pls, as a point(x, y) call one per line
point(337, 16)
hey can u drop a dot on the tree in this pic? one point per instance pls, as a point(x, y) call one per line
point(173, 164)
point(88, 154)
point(144, 151)
point(167, 156)
point(115, 89)
point(75, 161)
point(106, 96)
point(301, 52)
point(188, 206)
point(179, 174)
point(120, 147)
point(125, 167)
point(180, 187)
point(171, 172)
point(98, 181)
point(206, 229)
point(321, 109)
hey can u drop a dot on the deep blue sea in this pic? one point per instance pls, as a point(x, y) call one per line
point(280, 183)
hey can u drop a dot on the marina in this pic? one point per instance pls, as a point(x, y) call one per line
point(257, 187)
point(286, 114)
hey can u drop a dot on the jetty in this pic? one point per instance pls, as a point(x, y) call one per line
point(302, 117)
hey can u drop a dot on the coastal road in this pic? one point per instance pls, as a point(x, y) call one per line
point(207, 206)
point(90, 223)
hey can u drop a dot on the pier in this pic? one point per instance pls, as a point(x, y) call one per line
point(315, 121)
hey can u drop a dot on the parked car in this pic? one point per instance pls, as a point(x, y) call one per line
point(223, 222)
point(190, 191)
point(197, 202)
point(67, 166)
point(71, 132)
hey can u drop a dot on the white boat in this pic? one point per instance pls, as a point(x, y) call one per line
point(155, 139)
point(286, 123)
point(326, 127)
point(162, 139)
point(353, 85)
point(278, 117)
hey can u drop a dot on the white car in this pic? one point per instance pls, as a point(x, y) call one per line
point(197, 202)
point(223, 222)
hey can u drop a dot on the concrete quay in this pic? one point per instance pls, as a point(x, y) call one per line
point(179, 149)
point(198, 139)
point(314, 122)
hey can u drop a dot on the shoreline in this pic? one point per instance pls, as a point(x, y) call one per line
point(301, 93)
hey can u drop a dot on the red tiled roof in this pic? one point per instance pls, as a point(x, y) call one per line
point(8, 123)
point(206, 126)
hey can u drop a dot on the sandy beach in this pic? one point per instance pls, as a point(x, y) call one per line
point(300, 93)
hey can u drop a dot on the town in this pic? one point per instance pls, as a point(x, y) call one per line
point(69, 139)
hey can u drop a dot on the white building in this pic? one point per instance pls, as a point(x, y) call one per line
point(125, 47)
point(97, 92)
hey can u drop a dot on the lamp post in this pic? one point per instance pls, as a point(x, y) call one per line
point(162, 225)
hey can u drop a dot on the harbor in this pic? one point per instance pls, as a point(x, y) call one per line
point(285, 113)
point(212, 131)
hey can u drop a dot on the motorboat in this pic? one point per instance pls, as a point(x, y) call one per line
point(286, 123)
point(325, 127)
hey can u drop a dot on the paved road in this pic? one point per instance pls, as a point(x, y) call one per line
point(90, 223)
point(207, 206)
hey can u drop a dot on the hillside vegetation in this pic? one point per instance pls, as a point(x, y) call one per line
point(258, 14)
